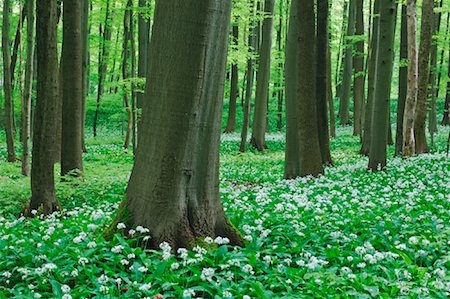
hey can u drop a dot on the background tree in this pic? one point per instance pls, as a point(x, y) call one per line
point(358, 64)
point(234, 87)
point(402, 81)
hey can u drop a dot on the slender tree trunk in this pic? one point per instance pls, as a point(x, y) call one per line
point(106, 33)
point(7, 85)
point(143, 47)
point(381, 109)
point(17, 42)
point(173, 189)
point(358, 62)
point(441, 66)
point(426, 33)
point(304, 157)
point(262, 80)
point(341, 51)
point(26, 120)
point(372, 74)
point(446, 119)
point(409, 144)
point(402, 82)
point(248, 89)
point(43, 198)
point(280, 83)
point(322, 81)
point(432, 111)
point(125, 73)
point(85, 66)
point(234, 88)
point(72, 90)
point(133, 77)
point(344, 107)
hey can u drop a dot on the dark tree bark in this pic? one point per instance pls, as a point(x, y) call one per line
point(303, 157)
point(258, 140)
point(426, 32)
point(344, 107)
point(43, 198)
point(72, 90)
point(173, 189)
point(381, 108)
point(28, 84)
point(372, 73)
point(358, 63)
point(126, 72)
point(446, 119)
point(106, 34)
point(402, 83)
point(322, 87)
point(234, 88)
point(85, 66)
point(16, 44)
point(7, 88)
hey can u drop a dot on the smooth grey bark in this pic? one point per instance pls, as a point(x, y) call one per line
point(358, 64)
point(28, 84)
point(303, 158)
point(385, 57)
point(127, 70)
point(174, 185)
point(7, 84)
point(371, 75)
point(43, 197)
point(344, 106)
point(72, 90)
point(258, 139)
point(426, 32)
point(323, 79)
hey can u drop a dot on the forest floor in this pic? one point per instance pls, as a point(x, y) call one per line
point(349, 234)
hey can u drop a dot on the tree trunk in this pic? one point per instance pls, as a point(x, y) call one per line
point(126, 73)
point(143, 47)
point(258, 140)
point(7, 85)
point(372, 74)
point(85, 66)
point(26, 120)
point(441, 64)
point(106, 33)
point(303, 157)
point(409, 144)
point(43, 198)
point(234, 88)
point(341, 51)
point(446, 119)
point(381, 108)
point(358, 62)
point(344, 107)
point(402, 82)
point(426, 33)
point(322, 81)
point(248, 90)
point(173, 189)
point(72, 90)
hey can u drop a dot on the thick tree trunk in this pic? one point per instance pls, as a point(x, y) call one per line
point(372, 74)
point(409, 144)
point(303, 158)
point(426, 33)
point(358, 63)
point(258, 140)
point(72, 90)
point(173, 189)
point(402, 82)
point(322, 81)
point(28, 84)
point(43, 196)
point(85, 66)
point(344, 107)
point(7, 85)
point(381, 109)
point(106, 34)
point(234, 88)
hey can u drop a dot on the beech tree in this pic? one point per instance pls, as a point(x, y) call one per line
point(234, 88)
point(43, 197)
point(358, 64)
point(7, 83)
point(402, 81)
point(72, 90)
point(262, 80)
point(303, 156)
point(174, 185)
point(384, 63)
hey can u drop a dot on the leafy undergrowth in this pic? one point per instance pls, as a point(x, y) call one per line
point(349, 234)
